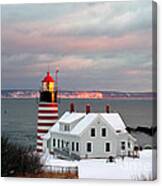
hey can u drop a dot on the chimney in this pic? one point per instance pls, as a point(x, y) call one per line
point(107, 108)
point(88, 108)
point(71, 107)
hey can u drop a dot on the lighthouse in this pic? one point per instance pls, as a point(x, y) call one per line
point(47, 109)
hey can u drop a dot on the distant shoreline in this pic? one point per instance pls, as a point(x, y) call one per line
point(113, 95)
point(117, 98)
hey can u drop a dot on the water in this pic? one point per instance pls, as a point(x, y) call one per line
point(19, 116)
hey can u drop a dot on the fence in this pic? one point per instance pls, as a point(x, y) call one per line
point(61, 169)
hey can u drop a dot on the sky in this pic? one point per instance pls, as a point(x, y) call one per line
point(96, 46)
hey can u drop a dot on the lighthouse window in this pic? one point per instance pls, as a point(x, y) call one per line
point(89, 147)
point(93, 132)
point(103, 132)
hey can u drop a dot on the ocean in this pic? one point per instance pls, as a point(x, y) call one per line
point(19, 116)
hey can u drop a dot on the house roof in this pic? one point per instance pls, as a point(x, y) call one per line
point(85, 122)
point(46, 136)
point(112, 119)
point(71, 117)
point(55, 128)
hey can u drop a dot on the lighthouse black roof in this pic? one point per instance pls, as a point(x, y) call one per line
point(48, 78)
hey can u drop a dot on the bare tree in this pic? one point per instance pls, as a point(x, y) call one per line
point(17, 160)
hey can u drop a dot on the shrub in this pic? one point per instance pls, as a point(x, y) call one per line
point(147, 147)
point(17, 160)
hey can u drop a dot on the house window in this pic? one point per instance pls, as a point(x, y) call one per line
point(48, 143)
point(77, 146)
point(129, 144)
point(89, 147)
point(54, 142)
point(93, 132)
point(123, 145)
point(72, 146)
point(62, 143)
point(103, 132)
point(66, 128)
point(107, 147)
point(58, 143)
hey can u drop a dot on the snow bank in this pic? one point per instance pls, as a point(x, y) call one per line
point(129, 168)
point(135, 169)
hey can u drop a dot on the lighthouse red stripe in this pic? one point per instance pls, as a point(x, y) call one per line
point(39, 150)
point(47, 111)
point(48, 105)
point(39, 144)
point(48, 117)
point(39, 137)
point(46, 124)
point(42, 131)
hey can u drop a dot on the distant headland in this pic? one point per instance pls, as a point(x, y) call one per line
point(18, 93)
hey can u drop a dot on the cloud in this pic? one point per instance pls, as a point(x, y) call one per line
point(96, 45)
point(73, 63)
point(21, 43)
point(110, 19)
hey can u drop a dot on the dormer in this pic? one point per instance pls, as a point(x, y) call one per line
point(69, 120)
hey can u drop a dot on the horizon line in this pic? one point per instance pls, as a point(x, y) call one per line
point(2, 89)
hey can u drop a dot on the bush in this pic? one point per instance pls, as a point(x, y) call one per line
point(147, 147)
point(136, 148)
point(17, 160)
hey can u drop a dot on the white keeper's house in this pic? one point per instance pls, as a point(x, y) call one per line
point(89, 135)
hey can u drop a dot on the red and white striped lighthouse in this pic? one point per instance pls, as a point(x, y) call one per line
point(47, 110)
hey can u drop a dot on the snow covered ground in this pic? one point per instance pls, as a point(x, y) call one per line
point(129, 168)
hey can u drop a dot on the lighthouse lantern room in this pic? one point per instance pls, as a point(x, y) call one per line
point(47, 109)
point(47, 92)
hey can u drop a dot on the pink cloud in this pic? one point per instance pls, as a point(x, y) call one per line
point(71, 63)
point(34, 42)
point(133, 72)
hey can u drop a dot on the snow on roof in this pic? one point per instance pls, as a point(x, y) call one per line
point(86, 121)
point(46, 136)
point(114, 120)
point(55, 128)
point(71, 117)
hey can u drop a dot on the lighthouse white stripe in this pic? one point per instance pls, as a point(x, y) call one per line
point(40, 134)
point(48, 108)
point(47, 121)
point(39, 141)
point(39, 147)
point(48, 114)
point(43, 127)
point(45, 103)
